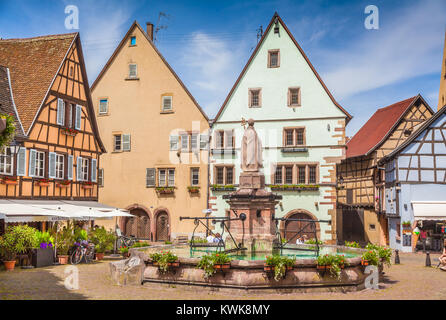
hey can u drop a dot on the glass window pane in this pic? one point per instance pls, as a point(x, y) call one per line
point(288, 175)
point(220, 175)
point(301, 178)
point(229, 175)
point(278, 176)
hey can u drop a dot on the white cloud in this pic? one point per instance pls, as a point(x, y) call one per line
point(406, 46)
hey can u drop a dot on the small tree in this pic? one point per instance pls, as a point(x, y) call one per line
point(102, 239)
point(17, 239)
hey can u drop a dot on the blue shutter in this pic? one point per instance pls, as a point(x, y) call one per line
point(21, 162)
point(77, 120)
point(93, 170)
point(126, 142)
point(60, 112)
point(32, 163)
point(52, 165)
point(79, 169)
point(70, 167)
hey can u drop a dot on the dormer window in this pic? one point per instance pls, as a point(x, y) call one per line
point(273, 58)
point(133, 72)
point(133, 41)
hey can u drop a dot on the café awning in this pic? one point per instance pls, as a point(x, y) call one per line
point(429, 210)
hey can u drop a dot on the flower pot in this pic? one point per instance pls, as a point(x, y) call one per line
point(268, 268)
point(9, 265)
point(365, 262)
point(42, 257)
point(63, 259)
point(222, 266)
point(321, 268)
point(342, 266)
point(99, 256)
point(175, 264)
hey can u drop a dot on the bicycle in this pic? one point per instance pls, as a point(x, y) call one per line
point(84, 250)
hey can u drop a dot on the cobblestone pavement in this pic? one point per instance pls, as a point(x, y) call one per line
point(409, 280)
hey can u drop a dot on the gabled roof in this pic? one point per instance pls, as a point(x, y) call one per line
point(118, 49)
point(379, 127)
point(33, 63)
point(426, 124)
point(7, 102)
point(276, 15)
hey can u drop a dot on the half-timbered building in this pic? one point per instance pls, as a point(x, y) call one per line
point(55, 154)
point(361, 180)
point(415, 187)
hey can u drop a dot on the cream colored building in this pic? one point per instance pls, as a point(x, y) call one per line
point(156, 137)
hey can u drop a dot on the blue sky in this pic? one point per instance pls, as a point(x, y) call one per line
point(208, 42)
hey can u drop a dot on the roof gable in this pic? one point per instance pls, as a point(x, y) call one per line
point(122, 44)
point(255, 56)
point(380, 125)
point(33, 65)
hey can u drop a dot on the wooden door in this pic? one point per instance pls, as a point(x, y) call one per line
point(296, 229)
point(162, 227)
point(353, 225)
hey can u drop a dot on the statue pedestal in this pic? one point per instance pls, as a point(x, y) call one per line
point(258, 231)
point(252, 180)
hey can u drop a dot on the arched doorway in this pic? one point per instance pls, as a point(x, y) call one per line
point(162, 226)
point(138, 225)
point(292, 228)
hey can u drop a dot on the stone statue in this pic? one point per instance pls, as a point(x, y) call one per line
point(251, 149)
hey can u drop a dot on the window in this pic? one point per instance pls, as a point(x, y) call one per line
point(69, 115)
point(204, 141)
point(224, 139)
point(60, 112)
point(349, 196)
point(167, 103)
point(166, 177)
point(185, 142)
point(295, 174)
point(293, 97)
point(174, 143)
point(171, 178)
point(161, 177)
point(255, 99)
point(294, 137)
point(60, 164)
point(133, 73)
point(39, 164)
point(372, 227)
point(84, 169)
point(273, 58)
point(101, 177)
point(133, 41)
point(103, 106)
point(195, 176)
point(224, 175)
point(117, 146)
point(150, 177)
point(194, 141)
point(6, 166)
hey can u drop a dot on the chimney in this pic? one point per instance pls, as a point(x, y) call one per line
point(150, 30)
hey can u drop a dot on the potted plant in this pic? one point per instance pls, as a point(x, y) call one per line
point(64, 242)
point(164, 260)
point(212, 262)
point(279, 265)
point(17, 239)
point(332, 263)
point(43, 255)
point(370, 257)
point(124, 251)
point(103, 241)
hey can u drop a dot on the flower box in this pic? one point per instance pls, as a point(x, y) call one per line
point(69, 132)
point(193, 189)
point(165, 190)
point(223, 188)
point(42, 257)
point(61, 185)
point(268, 268)
point(87, 186)
point(222, 266)
point(9, 181)
point(42, 183)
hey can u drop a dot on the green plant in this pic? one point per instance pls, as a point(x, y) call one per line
point(102, 239)
point(352, 244)
point(280, 264)
point(80, 234)
point(333, 261)
point(198, 240)
point(44, 239)
point(371, 256)
point(8, 134)
point(64, 240)
point(223, 186)
point(17, 239)
point(123, 250)
point(167, 242)
point(313, 241)
point(141, 244)
point(163, 259)
point(384, 253)
point(208, 262)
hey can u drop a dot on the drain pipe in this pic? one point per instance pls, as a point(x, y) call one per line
point(211, 122)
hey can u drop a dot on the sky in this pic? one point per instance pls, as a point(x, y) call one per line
point(208, 43)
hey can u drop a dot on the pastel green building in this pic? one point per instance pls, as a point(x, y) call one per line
point(301, 126)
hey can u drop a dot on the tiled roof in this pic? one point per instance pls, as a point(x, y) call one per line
point(377, 128)
point(7, 103)
point(33, 64)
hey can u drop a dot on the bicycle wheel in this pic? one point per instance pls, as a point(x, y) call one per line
point(77, 255)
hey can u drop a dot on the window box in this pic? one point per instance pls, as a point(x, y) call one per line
point(165, 190)
point(43, 182)
point(228, 187)
point(294, 187)
point(63, 184)
point(223, 266)
point(193, 189)
point(70, 132)
point(87, 185)
point(9, 180)
point(293, 149)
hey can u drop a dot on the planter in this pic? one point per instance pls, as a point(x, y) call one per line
point(9, 181)
point(267, 268)
point(99, 256)
point(42, 257)
point(42, 184)
point(67, 132)
point(223, 266)
point(364, 262)
point(62, 186)
point(87, 186)
point(63, 259)
point(165, 191)
point(196, 190)
point(9, 265)
point(175, 264)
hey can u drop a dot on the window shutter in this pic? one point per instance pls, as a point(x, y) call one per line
point(126, 142)
point(77, 121)
point(229, 139)
point(79, 169)
point(101, 177)
point(204, 140)
point(94, 170)
point(60, 112)
point(173, 142)
point(52, 165)
point(70, 167)
point(150, 177)
point(32, 163)
point(21, 162)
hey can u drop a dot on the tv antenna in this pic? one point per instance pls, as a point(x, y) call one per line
point(160, 26)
